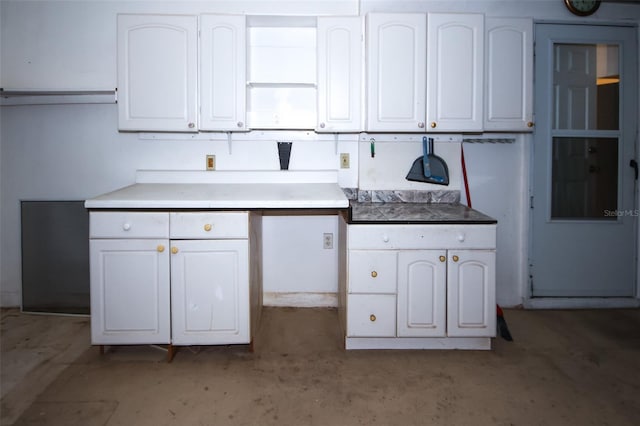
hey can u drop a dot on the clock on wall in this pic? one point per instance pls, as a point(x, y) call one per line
point(582, 7)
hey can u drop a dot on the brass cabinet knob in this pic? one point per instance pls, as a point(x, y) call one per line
point(433, 124)
point(174, 250)
point(207, 227)
point(374, 274)
point(455, 258)
point(530, 124)
point(372, 318)
point(442, 258)
point(160, 248)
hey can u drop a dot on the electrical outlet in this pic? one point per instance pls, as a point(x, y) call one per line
point(211, 162)
point(327, 241)
point(344, 160)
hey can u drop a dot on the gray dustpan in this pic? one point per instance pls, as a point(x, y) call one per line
point(429, 168)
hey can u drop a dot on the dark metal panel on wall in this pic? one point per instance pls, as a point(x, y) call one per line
point(55, 257)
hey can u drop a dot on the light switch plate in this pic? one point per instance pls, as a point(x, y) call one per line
point(211, 162)
point(344, 160)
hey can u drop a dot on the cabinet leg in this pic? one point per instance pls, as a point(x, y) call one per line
point(251, 347)
point(101, 349)
point(171, 351)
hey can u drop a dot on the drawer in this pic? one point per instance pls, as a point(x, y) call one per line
point(372, 271)
point(209, 225)
point(421, 236)
point(371, 315)
point(128, 224)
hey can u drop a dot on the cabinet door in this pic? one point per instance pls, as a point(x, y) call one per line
point(396, 70)
point(339, 74)
point(209, 292)
point(509, 74)
point(223, 78)
point(455, 71)
point(157, 72)
point(422, 284)
point(129, 291)
point(471, 295)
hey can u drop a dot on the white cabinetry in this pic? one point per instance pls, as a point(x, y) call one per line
point(509, 74)
point(455, 71)
point(419, 286)
point(129, 274)
point(209, 278)
point(425, 67)
point(422, 286)
point(396, 68)
point(471, 292)
point(157, 72)
point(178, 278)
point(339, 58)
point(223, 72)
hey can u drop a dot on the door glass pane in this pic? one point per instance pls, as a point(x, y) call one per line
point(586, 83)
point(584, 178)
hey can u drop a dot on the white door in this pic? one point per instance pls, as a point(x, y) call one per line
point(396, 71)
point(422, 283)
point(339, 74)
point(471, 293)
point(584, 213)
point(129, 291)
point(223, 81)
point(157, 72)
point(209, 292)
point(455, 71)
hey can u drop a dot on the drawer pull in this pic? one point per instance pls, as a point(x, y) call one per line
point(442, 258)
point(385, 238)
point(461, 238)
point(455, 258)
point(174, 250)
point(207, 227)
point(372, 318)
point(160, 248)
point(374, 274)
point(126, 226)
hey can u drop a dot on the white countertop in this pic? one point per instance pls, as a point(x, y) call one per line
point(226, 190)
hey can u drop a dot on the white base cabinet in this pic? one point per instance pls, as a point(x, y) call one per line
point(129, 291)
point(209, 292)
point(176, 278)
point(418, 286)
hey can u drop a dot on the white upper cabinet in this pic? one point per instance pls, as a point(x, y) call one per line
point(509, 79)
point(455, 72)
point(157, 72)
point(339, 58)
point(282, 74)
point(396, 68)
point(223, 72)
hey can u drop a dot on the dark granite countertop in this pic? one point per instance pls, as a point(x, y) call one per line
point(415, 213)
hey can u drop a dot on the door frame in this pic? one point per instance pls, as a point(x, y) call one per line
point(529, 301)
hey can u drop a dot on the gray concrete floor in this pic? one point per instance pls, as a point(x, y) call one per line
point(578, 367)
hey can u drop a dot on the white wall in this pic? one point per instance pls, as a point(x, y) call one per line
point(75, 151)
